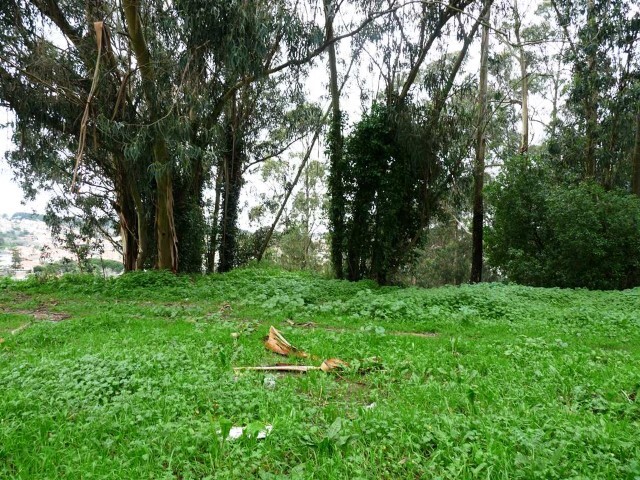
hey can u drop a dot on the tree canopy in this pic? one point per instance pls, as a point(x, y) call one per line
point(150, 121)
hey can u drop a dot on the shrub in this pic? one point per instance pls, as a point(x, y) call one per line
point(549, 234)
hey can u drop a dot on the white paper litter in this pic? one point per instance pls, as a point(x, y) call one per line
point(236, 432)
point(263, 433)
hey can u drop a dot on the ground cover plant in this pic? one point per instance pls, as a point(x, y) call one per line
point(133, 377)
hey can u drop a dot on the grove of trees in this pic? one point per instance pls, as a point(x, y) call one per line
point(149, 121)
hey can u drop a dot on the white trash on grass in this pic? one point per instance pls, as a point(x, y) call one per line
point(237, 432)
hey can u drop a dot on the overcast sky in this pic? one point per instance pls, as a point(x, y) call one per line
point(11, 197)
point(10, 192)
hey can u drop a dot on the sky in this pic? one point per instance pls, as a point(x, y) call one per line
point(11, 197)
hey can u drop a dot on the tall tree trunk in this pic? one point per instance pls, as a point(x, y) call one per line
point(335, 146)
point(307, 220)
point(189, 216)
point(126, 207)
point(287, 194)
point(591, 112)
point(166, 239)
point(635, 181)
point(229, 221)
point(478, 170)
point(215, 223)
point(439, 103)
point(524, 82)
point(316, 135)
point(556, 94)
point(232, 175)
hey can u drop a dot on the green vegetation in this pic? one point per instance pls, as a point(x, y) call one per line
point(514, 382)
point(223, 120)
point(97, 266)
point(16, 259)
point(11, 238)
point(549, 233)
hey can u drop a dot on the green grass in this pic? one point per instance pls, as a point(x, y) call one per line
point(138, 383)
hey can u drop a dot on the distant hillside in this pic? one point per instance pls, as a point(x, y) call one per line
point(28, 216)
point(28, 233)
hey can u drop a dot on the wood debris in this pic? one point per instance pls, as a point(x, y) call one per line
point(276, 342)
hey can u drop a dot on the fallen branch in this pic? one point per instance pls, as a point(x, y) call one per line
point(281, 368)
point(276, 343)
point(21, 328)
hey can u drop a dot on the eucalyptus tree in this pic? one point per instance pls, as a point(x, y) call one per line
point(398, 158)
point(528, 40)
point(47, 61)
point(260, 127)
point(596, 138)
point(143, 93)
point(480, 147)
point(335, 146)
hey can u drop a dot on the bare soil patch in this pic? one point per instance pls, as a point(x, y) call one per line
point(42, 313)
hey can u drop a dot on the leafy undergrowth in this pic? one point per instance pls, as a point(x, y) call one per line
point(138, 381)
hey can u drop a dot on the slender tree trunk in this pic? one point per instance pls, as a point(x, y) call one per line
point(524, 140)
point(635, 182)
point(215, 222)
point(296, 179)
point(556, 94)
point(232, 175)
point(304, 161)
point(524, 83)
point(335, 146)
point(307, 220)
point(478, 171)
point(143, 236)
point(591, 112)
point(439, 103)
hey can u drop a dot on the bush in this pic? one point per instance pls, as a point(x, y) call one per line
point(549, 234)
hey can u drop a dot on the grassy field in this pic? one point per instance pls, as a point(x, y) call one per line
point(132, 378)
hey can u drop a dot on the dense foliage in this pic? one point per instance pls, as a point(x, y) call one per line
point(157, 102)
point(152, 122)
point(138, 381)
point(382, 209)
point(547, 233)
